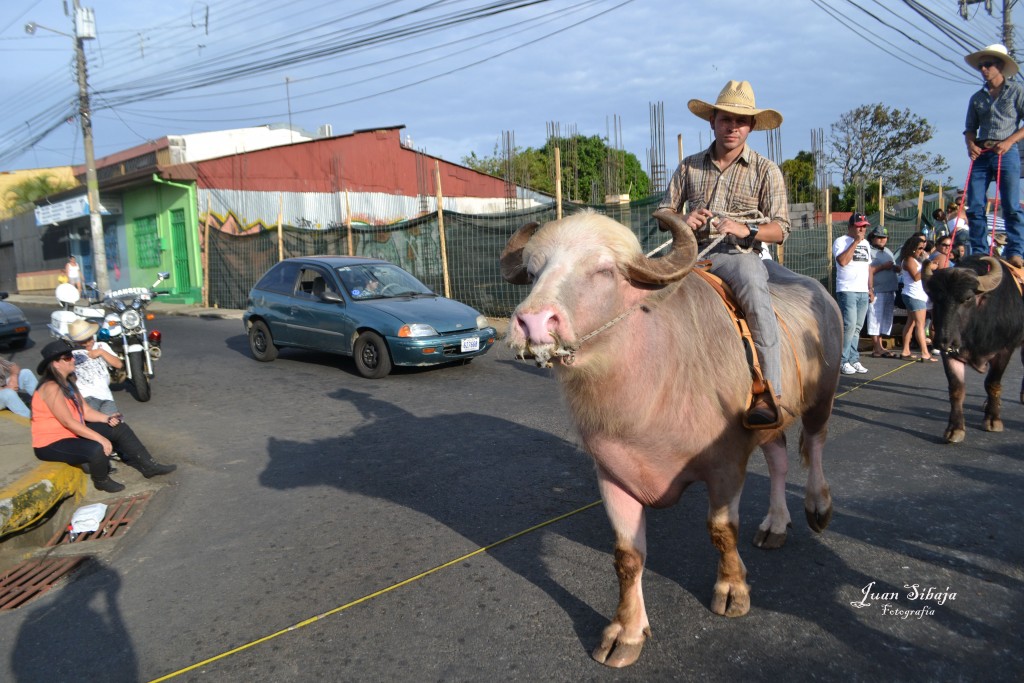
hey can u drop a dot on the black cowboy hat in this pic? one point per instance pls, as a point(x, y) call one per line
point(52, 352)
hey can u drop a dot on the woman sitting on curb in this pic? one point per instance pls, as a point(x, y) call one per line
point(66, 429)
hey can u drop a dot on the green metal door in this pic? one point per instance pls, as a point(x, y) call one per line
point(179, 253)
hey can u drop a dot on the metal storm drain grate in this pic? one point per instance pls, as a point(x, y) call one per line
point(121, 514)
point(32, 578)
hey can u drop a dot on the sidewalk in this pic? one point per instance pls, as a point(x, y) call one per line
point(30, 488)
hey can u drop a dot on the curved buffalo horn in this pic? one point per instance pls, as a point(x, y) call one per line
point(677, 263)
point(991, 280)
point(512, 268)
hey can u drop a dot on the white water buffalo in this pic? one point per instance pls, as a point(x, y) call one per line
point(657, 382)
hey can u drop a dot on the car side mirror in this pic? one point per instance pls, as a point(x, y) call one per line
point(331, 297)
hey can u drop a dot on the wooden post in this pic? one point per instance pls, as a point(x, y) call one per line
point(440, 231)
point(828, 227)
point(280, 229)
point(348, 224)
point(679, 144)
point(558, 183)
point(920, 203)
point(881, 204)
point(206, 256)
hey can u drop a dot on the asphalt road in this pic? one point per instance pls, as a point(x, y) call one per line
point(326, 527)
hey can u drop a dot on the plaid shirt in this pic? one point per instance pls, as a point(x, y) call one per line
point(996, 119)
point(752, 189)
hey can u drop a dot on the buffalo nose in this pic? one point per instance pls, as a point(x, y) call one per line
point(538, 326)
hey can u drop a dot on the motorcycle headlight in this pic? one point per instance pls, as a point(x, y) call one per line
point(131, 319)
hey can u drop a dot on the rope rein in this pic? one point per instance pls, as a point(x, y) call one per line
point(570, 357)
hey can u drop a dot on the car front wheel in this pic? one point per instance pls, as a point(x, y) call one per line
point(371, 356)
point(261, 343)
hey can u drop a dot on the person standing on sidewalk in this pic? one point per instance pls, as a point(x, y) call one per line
point(884, 276)
point(992, 131)
point(853, 263)
point(67, 429)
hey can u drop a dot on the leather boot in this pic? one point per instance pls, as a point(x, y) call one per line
point(108, 485)
point(150, 468)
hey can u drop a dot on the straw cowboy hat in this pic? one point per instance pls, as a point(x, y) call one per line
point(997, 51)
point(737, 97)
point(82, 330)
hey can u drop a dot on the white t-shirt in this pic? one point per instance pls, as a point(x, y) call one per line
point(93, 373)
point(853, 277)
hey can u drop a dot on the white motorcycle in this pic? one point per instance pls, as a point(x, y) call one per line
point(121, 315)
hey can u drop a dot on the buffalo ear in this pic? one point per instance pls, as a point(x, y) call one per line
point(990, 280)
point(512, 269)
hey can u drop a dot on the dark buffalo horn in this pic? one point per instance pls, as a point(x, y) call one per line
point(991, 280)
point(674, 266)
point(512, 268)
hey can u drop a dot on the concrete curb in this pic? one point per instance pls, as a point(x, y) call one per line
point(29, 497)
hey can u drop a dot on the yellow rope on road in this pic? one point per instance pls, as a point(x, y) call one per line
point(375, 594)
point(421, 575)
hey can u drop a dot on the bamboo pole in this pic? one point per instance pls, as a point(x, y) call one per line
point(679, 144)
point(920, 203)
point(206, 256)
point(440, 231)
point(348, 224)
point(280, 229)
point(558, 183)
point(942, 198)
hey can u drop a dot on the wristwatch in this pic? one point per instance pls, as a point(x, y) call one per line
point(752, 237)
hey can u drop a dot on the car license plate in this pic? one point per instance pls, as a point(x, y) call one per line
point(471, 344)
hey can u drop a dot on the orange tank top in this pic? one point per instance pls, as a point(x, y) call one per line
point(46, 428)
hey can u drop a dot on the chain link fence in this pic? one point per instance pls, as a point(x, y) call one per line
point(474, 242)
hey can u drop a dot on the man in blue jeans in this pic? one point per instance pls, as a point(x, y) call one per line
point(992, 131)
point(853, 263)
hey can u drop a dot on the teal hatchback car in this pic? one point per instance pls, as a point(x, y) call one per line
point(369, 309)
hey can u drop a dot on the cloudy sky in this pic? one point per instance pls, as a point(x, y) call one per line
point(459, 73)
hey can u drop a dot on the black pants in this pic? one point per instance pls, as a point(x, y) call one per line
point(79, 451)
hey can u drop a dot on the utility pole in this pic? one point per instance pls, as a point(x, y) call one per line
point(1007, 18)
point(85, 29)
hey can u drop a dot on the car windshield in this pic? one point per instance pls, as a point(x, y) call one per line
point(380, 281)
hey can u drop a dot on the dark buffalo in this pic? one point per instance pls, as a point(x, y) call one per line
point(978, 316)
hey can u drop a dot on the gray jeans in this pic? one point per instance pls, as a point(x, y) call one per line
point(748, 278)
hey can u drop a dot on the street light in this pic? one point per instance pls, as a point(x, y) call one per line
point(85, 29)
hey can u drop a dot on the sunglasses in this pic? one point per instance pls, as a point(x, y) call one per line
point(944, 245)
point(988, 65)
point(66, 356)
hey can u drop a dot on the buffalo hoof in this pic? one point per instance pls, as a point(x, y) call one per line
point(767, 539)
point(731, 600)
point(615, 651)
point(992, 424)
point(954, 435)
point(818, 519)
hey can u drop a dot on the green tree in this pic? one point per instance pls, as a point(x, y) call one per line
point(875, 141)
point(20, 196)
point(799, 174)
point(587, 163)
